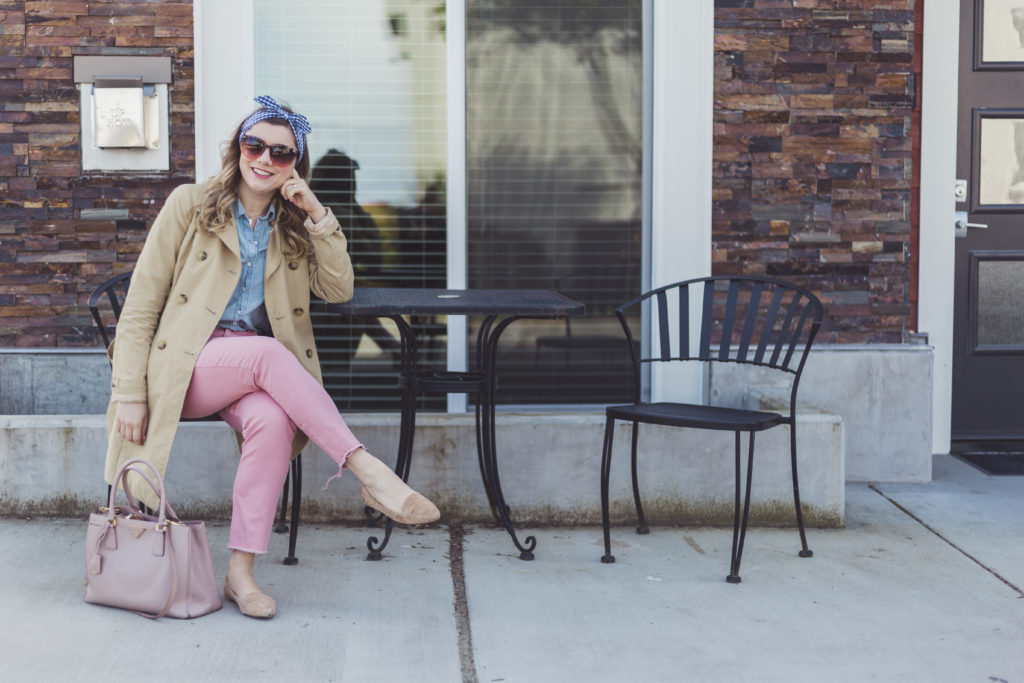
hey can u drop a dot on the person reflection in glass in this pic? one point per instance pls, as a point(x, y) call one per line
point(333, 180)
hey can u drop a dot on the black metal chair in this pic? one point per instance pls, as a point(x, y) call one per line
point(113, 291)
point(750, 320)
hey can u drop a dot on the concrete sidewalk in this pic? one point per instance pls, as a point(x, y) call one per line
point(924, 584)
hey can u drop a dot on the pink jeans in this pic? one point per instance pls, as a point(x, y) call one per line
point(261, 390)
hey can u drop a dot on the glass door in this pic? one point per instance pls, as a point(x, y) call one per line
point(553, 168)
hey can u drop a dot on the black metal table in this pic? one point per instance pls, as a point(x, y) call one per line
point(500, 308)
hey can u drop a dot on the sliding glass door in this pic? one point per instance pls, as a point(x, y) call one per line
point(552, 173)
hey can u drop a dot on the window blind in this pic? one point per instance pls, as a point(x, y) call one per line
point(371, 77)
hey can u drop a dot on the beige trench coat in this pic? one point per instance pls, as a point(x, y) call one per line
point(179, 290)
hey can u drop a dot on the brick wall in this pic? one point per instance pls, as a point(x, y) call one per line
point(813, 154)
point(812, 163)
point(51, 253)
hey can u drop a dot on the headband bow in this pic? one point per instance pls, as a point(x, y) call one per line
point(272, 110)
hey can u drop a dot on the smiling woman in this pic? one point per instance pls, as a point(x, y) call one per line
point(228, 268)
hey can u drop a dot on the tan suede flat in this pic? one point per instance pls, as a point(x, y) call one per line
point(416, 509)
point(257, 605)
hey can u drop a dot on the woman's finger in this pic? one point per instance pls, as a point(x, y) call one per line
point(293, 189)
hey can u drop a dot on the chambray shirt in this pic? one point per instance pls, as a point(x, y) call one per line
point(246, 310)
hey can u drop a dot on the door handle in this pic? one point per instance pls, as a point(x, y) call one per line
point(961, 224)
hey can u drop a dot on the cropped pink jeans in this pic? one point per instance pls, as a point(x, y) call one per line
point(259, 388)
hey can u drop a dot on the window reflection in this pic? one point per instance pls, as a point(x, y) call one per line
point(370, 75)
point(554, 146)
point(553, 165)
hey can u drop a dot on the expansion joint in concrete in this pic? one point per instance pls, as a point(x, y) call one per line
point(950, 543)
point(456, 533)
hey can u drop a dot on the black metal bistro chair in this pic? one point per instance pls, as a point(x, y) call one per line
point(113, 292)
point(755, 321)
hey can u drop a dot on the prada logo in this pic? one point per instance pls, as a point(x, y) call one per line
point(137, 530)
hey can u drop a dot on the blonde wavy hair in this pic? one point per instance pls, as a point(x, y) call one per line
point(217, 210)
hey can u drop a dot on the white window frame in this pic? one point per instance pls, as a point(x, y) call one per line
point(677, 222)
point(937, 244)
point(225, 74)
point(681, 153)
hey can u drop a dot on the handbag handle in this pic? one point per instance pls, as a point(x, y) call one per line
point(134, 504)
point(119, 481)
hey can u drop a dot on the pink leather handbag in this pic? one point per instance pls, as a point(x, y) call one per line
point(153, 566)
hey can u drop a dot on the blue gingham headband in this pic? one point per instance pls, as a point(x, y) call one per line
point(272, 110)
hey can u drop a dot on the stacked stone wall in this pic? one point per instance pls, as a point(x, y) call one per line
point(813, 154)
point(63, 230)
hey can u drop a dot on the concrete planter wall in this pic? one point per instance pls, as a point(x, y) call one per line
point(865, 415)
point(882, 392)
point(549, 465)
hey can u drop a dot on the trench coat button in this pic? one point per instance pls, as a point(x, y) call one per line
point(309, 353)
point(202, 257)
point(292, 265)
point(297, 311)
point(161, 344)
point(183, 299)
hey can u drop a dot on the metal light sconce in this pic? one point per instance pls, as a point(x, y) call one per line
point(125, 110)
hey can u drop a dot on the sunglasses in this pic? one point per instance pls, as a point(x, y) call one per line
point(280, 155)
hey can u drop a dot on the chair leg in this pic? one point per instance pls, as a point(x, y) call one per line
point(642, 527)
point(293, 535)
point(805, 551)
point(606, 463)
point(282, 518)
point(739, 531)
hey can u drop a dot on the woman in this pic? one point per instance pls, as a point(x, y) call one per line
point(216, 321)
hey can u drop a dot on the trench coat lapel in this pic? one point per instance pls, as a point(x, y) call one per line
point(274, 251)
point(229, 236)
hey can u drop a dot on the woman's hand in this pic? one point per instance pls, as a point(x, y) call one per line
point(298, 193)
point(131, 421)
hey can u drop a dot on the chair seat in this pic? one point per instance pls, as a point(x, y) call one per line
point(699, 416)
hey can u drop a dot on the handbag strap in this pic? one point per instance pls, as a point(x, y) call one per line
point(174, 579)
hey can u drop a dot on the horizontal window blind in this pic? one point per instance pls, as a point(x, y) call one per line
point(371, 77)
point(554, 163)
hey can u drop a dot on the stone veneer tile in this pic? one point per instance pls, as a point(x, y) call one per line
point(832, 177)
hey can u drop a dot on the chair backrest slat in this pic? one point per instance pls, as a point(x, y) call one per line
point(794, 339)
point(773, 312)
point(782, 334)
point(725, 343)
point(751, 320)
point(664, 337)
point(684, 322)
point(707, 318)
